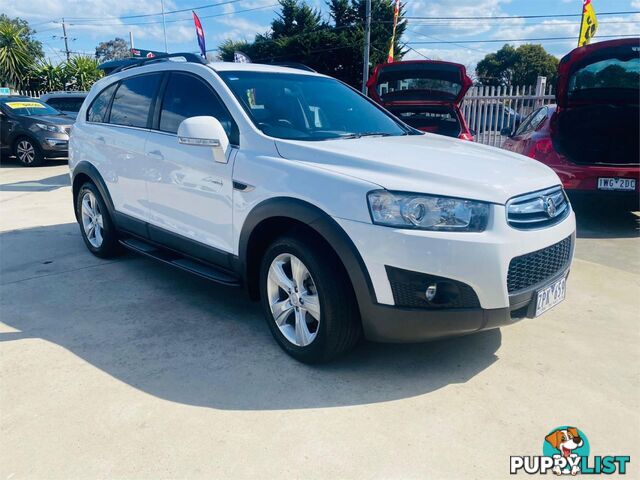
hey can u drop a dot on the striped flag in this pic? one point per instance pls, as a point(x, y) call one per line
point(396, 13)
point(200, 35)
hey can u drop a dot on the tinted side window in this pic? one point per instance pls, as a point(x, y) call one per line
point(187, 96)
point(538, 118)
point(66, 104)
point(132, 100)
point(98, 110)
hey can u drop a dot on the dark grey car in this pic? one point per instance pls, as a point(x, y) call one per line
point(33, 130)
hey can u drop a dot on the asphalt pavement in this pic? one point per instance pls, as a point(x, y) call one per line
point(126, 368)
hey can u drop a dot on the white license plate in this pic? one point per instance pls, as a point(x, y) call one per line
point(551, 295)
point(622, 184)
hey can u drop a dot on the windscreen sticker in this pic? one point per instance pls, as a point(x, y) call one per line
point(14, 105)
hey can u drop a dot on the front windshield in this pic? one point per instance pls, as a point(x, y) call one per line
point(30, 108)
point(307, 107)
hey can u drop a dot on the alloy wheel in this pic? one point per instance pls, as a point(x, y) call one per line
point(293, 299)
point(92, 221)
point(25, 152)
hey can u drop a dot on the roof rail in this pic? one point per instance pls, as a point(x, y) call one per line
point(188, 57)
point(296, 65)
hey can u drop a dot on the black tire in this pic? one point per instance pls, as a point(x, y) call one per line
point(38, 155)
point(109, 246)
point(339, 328)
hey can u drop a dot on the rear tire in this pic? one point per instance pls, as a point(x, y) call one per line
point(28, 152)
point(314, 297)
point(96, 226)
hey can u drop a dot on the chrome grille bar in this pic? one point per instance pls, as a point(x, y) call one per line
point(538, 209)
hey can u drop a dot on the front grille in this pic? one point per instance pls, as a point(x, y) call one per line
point(534, 268)
point(538, 209)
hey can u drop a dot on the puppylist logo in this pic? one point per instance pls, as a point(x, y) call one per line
point(565, 451)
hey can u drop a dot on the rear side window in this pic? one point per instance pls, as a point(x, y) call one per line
point(187, 96)
point(98, 110)
point(532, 121)
point(66, 104)
point(132, 101)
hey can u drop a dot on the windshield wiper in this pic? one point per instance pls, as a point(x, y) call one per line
point(366, 134)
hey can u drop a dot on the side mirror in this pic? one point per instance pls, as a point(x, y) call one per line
point(205, 132)
point(506, 131)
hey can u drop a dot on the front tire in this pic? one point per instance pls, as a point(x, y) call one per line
point(28, 152)
point(98, 231)
point(308, 300)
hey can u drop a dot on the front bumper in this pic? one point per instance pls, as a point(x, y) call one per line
point(479, 260)
point(53, 144)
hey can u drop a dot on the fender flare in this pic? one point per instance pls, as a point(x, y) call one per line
point(91, 171)
point(324, 225)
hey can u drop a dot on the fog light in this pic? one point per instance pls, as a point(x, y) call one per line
point(431, 292)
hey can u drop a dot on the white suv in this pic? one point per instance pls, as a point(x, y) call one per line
point(340, 218)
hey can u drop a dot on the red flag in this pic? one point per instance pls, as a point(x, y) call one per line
point(200, 35)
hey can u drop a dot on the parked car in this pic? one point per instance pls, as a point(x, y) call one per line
point(500, 118)
point(32, 130)
point(425, 94)
point(340, 218)
point(591, 138)
point(68, 103)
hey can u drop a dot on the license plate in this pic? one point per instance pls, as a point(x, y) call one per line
point(621, 184)
point(551, 295)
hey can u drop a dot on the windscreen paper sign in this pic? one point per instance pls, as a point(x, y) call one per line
point(15, 105)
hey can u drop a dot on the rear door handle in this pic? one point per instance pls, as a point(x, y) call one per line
point(156, 155)
point(100, 140)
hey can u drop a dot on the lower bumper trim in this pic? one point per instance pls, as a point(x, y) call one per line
point(387, 323)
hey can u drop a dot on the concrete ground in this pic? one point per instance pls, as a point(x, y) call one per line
point(130, 369)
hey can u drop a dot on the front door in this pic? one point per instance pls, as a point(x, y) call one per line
point(189, 193)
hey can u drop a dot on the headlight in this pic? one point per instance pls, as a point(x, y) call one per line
point(427, 212)
point(50, 128)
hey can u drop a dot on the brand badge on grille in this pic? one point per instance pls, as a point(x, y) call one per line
point(549, 206)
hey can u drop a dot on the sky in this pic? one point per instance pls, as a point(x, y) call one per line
point(90, 22)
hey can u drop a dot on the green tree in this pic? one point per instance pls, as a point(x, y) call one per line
point(15, 58)
point(517, 66)
point(33, 46)
point(49, 77)
point(112, 50)
point(82, 72)
point(298, 34)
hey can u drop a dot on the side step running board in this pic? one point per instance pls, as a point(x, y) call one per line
point(205, 270)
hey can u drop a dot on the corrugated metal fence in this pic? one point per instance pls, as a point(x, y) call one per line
point(491, 111)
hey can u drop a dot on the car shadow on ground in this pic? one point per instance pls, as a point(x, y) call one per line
point(7, 161)
point(606, 218)
point(44, 185)
point(186, 340)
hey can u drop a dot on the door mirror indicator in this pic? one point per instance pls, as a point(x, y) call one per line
point(205, 131)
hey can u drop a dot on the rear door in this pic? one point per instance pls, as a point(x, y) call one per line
point(123, 140)
point(189, 193)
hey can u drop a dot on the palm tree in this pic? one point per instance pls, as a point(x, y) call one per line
point(82, 71)
point(15, 60)
point(49, 77)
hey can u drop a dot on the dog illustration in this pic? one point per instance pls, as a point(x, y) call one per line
point(565, 441)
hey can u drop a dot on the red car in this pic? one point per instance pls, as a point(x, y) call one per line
point(591, 138)
point(425, 94)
